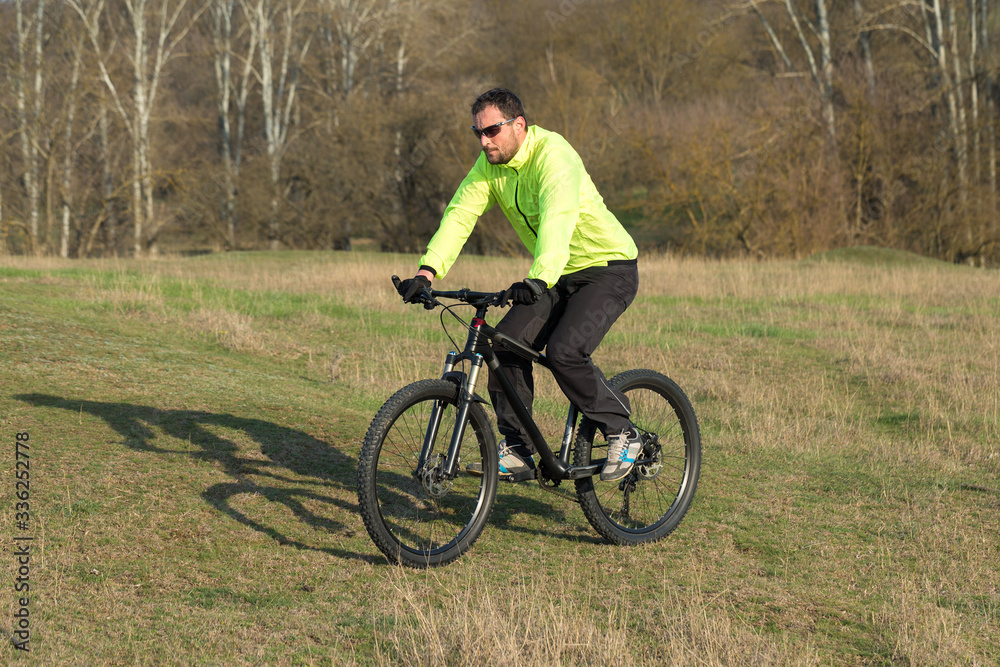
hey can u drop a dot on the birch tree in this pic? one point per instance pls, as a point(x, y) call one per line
point(954, 37)
point(819, 58)
point(152, 31)
point(70, 150)
point(984, 79)
point(282, 46)
point(865, 43)
point(348, 31)
point(231, 103)
point(28, 93)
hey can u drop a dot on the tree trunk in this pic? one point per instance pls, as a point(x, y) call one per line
point(67, 175)
point(864, 39)
point(826, 69)
point(974, 74)
point(989, 118)
point(775, 42)
point(278, 90)
point(265, 29)
point(28, 125)
point(107, 180)
point(822, 73)
point(138, 11)
point(963, 128)
point(230, 146)
point(948, 87)
point(399, 184)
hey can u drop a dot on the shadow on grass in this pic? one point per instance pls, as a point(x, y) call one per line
point(285, 449)
point(508, 506)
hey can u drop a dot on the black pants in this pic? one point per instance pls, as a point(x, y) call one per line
point(569, 320)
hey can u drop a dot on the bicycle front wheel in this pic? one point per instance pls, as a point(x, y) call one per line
point(415, 513)
point(649, 502)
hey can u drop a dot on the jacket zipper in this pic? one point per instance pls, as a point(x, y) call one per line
point(517, 185)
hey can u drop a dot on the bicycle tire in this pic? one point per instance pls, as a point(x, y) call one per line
point(413, 522)
point(650, 502)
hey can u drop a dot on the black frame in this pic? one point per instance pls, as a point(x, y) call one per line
point(477, 351)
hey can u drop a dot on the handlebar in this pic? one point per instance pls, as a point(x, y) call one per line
point(429, 298)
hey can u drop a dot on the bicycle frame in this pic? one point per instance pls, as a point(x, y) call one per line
point(478, 351)
point(434, 514)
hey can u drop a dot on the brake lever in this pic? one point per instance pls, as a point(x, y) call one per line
point(430, 303)
point(426, 299)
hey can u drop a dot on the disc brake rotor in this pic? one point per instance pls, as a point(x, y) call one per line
point(651, 450)
point(436, 484)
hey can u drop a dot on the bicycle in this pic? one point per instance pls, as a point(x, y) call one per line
point(422, 508)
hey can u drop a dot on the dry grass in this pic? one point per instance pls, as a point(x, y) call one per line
point(525, 625)
point(202, 417)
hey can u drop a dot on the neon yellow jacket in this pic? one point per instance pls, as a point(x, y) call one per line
point(551, 202)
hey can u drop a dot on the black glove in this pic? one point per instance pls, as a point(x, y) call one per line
point(410, 288)
point(524, 293)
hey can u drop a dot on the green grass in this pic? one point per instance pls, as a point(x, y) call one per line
point(195, 425)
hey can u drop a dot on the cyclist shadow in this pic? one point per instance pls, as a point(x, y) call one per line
point(283, 449)
point(508, 506)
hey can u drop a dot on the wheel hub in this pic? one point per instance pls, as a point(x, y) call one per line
point(434, 482)
point(651, 450)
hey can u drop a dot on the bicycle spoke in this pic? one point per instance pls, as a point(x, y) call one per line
point(651, 500)
point(417, 515)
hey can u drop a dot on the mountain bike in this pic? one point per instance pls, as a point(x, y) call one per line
point(422, 508)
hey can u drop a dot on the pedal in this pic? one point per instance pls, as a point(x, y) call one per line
point(521, 476)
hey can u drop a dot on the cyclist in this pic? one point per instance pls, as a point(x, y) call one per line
point(583, 276)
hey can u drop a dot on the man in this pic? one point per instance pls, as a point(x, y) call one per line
point(582, 279)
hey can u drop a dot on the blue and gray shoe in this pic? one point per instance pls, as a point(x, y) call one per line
point(622, 449)
point(511, 463)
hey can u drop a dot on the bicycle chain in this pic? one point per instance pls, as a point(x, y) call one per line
point(551, 488)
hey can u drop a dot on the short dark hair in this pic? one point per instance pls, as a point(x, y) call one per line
point(505, 101)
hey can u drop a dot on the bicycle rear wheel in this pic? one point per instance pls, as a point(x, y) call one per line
point(415, 515)
point(648, 503)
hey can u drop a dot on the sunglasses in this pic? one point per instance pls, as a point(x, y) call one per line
point(492, 130)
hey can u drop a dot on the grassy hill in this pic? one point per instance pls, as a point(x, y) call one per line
point(194, 426)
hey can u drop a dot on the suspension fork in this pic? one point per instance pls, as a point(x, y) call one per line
point(466, 397)
point(434, 420)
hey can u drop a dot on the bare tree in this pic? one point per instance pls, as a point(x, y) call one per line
point(155, 28)
point(70, 151)
point(29, 109)
point(954, 35)
point(231, 105)
point(983, 76)
point(865, 42)
point(348, 30)
point(283, 43)
point(819, 59)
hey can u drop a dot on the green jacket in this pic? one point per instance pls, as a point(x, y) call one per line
point(550, 200)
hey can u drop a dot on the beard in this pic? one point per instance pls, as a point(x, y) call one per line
point(498, 154)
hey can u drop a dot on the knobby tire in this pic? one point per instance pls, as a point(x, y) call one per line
point(410, 523)
point(649, 503)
